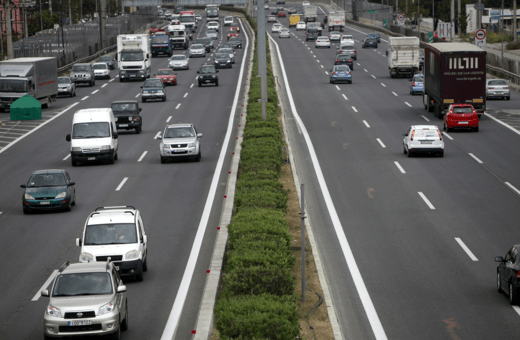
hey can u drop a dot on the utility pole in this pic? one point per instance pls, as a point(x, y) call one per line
point(102, 10)
point(478, 16)
point(459, 13)
point(452, 18)
point(502, 21)
point(514, 21)
point(70, 15)
point(262, 60)
point(8, 32)
point(41, 16)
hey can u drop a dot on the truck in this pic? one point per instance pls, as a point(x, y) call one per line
point(212, 12)
point(310, 13)
point(188, 20)
point(37, 77)
point(179, 37)
point(161, 45)
point(454, 73)
point(133, 56)
point(314, 26)
point(336, 21)
point(294, 19)
point(403, 56)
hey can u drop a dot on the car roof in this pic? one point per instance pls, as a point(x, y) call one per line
point(86, 267)
point(125, 101)
point(422, 127)
point(49, 171)
point(178, 125)
point(99, 64)
point(108, 215)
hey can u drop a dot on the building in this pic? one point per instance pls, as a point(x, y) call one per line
point(16, 18)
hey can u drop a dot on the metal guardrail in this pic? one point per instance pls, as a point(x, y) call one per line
point(512, 75)
point(87, 59)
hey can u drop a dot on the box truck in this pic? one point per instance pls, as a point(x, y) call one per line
point(403, 56)
point(134, 56)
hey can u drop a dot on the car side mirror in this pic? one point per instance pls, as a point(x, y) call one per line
point(121, 289)
point(44, 292)
point(114, 135)
point(141, 87)
point(159, 137)
point(198, 72)
point(67, 138)
point(23, 186)
point(386, 52)
point(405, 134)
point(499, 259)
point(78, 242)
point(72, 183)
point(145, 239)
point(199, 135)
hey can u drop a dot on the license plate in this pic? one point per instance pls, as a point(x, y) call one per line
point(80, 323)
point(45, 202)
point(463, 122)
point(132, 75)
point(207, 81)
point(426, 142)
point(91, 158)
point(123, 125)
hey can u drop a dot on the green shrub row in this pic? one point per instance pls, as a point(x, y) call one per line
point(257, 298)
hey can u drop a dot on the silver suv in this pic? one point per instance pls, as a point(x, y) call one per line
point(86, 299)
point(83, 73)
point(180, 140)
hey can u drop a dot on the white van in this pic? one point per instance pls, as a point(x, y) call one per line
point(94, 136)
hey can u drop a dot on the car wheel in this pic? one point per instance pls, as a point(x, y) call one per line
point(124, 324)
point(163, 160)
point(145, 263)
point(475, 129)
point(409, 153)
point(163, 99)
point(441, 153)
point(139, 276)
point(512, 294)
point(198, 157)
point(143, 100)
point(69, 207)
point(138, 130)
point(116, 156)
point(499, 284)
point(411, 92)
point(508, 98)
point(200, 84)
point(90, 84)
point(216, 84)
point(74, 162)
point(94, 82)
point(111, 159)
point(404, 150)
point(26, 211)
point(448, 129)
point(120, 79)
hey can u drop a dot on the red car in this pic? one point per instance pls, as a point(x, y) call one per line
point(232, 34)
point(234, 27)
point(281, 14)
point(167, 76)
point(461, 116)
point(153, 29)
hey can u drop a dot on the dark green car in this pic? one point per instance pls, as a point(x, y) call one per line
point(48, 190)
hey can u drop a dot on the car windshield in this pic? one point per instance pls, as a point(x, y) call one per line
point(153, 26)
point(80, 68)
point(179, 132)
point(197, 47)
point(497, 82)
point(132, 56)
point(233, 39)
point(105, 58)
point(99, 66)
point(178, 57)
point(343, 57)
point(225, 50)
point(165, 72)
point(370, 40)
point(46, 180)
point(152, 83)
point(462, 110)
point(222, 56)
point(159, 40)
point(82, 284)
point(101, 234)
point(63, 80)
point(419, 79)
point(425, 133)
point(207, 69)
point(341, 68)
point(124, 107)
point(91, 130)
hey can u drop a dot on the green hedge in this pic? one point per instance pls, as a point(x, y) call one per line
point(274, 280)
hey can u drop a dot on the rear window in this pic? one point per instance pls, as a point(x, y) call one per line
point(462, 110)
point(497, 82)
point(426, 133)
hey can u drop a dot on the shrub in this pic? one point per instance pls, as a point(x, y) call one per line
point(243, 257)
point(258, 222)
point(258, 280)
point(260, 199)
point(251, 185)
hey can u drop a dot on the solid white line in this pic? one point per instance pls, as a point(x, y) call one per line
point(466, 249)
point(178, 105)
point(345, 97)
point(426, 200)
point(142, 156)
point(368, 126)
point(182, 292)
point(444, 133)
point(338, 87)
point(137, 95)
point(191, 85)
point(186, 94)
point(157, 135)
point(121, 184)
point(104, 85)
point(381, 142)
point(168, 120)
point(352, 266)
point(426, 119)
point(48, 282)
point(399, 167)
point(395, 94)
point(475, 158)
point(383, 85)
point(408, 104)
point(517, 309)
point(95, 91)
point(354, 108)
point(37, 127)
point(501, 122)
point(512, 187)
point(84, 98)
point(67, 157)
point(373, 76)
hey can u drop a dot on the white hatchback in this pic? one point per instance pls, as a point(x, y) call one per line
point(228, 21)
point(306, 3)
point(425, 139)
point(322, 42)
point(213, 25)
point(277, 28)
point(301, 26)
point(347, 39)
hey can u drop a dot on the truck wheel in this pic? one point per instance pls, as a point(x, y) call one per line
point(138, 130)
point(48, 103)
point(74, 162)
point(437, 110)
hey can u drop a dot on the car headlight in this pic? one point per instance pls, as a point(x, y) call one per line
point(87, 76)
point(62, 195)
point(165, 146)
point(105, 147)
point(86, 257)
point(109, 307)
point(141, 71)
point(191, 145)
point(131, 255)
point(160, 91)
point(28, 197)
point(76, 149)
point(229, 61)
point(53, 311)
point(214, 76)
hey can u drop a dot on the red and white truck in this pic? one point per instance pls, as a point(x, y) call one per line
point(336, 21)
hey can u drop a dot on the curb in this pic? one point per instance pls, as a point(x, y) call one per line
point(204, 324)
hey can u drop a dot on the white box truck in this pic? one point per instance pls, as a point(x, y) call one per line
point(336, 21)
point(403, 56)
point(37, 77)
point(134, 56)
point(310, 13)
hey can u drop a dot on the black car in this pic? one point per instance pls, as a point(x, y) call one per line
point(280, 2)
point(222, 60)
point(127, 115)
point(48, 190)
point(369, 42)
point(344, 59)
point(508, 278)
point(206, 42)
point(274, 11)
point(235, 42)
point(208, 75)
point(375, 36)
point(109, 60)
point(291, 10)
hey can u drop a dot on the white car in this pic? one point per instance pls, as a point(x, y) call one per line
point(213, 25)
point(306, 3)
point(101, 70)
point(266, 6)
point(347, 39)
point(277, 28)
point(180, 141)
point(228, 21)
point(425, 139)
point(284, 33)
point(271, 18)
point(116, 232)
point(301, 26)
point(322, 42)
point(335, 36)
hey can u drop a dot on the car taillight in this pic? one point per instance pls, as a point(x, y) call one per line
point(334, 73)
point(348, 72)
point(411, 137)
point(337, 60)
point(350, 60)
point(413, 84)
point(518, 275)
point(439, 133)
point(506, 88)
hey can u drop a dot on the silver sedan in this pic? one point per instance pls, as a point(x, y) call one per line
point(497, 88)
point(197, 50)
point(284, 33)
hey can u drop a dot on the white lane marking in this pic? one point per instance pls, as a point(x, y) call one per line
point(327, 73)
point(365, 70)
point(381, 142)
point(84, 98)
point(191, 85)
point(475, 158)
point(137, 95)
point(426, 119)
point(111, 80)
point(117, 76)
point(95, 91)
point(122, 183)
point(37, 127)
point(426, 201)
point(142, 156)
point(383, 85)
point(444, 133)
point(517, 309)
point(168, 120)
point(182, 292)
point(512, 187)
point(373, 76)
point(408, 104)
point(186, 94)
point(47, 283)
point(321, 66)
point(178, 105)
point(354, 108)
point(67, 157)
point(466, 249)
point(345, 97)
point(501, 122)
point(157, 135)
point(399, 167)
point(338, 87)
point(358, 64)
point(395, 94)
point(368, 126)
point(352, 266)
point(104, 85)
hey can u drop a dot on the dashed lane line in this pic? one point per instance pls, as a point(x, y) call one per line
point(366, 124)
point(122, 183)
point(466, 249)
point(381, 143)
point(475, 158)
point(426, 200)
point(142, 156)
point(399, 167)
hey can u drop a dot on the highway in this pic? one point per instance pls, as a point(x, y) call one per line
point(178, 200)
point(407, 244)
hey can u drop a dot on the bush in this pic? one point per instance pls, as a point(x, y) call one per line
point(258, 222)
point(251, 185)
point(259, 175)
point(258, 280)
point(243, 257)
point(513, 45)
point(255, 317)
point(260, 199)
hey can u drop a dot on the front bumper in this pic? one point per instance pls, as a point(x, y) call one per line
point(197, 54)
point(132, 75)
point(64, 90)
point(81, 80)
point(91, 156)
point(153, 95)
point(129, 268)
point(101, 325)
point(169, 82)
point(101, 75)
point(223, 65)
point(179, 67)
point(179, 152)
point(52, 204)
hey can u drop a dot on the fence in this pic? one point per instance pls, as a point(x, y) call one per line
point(82, 40)
point(212, 2)
point(367, 12)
